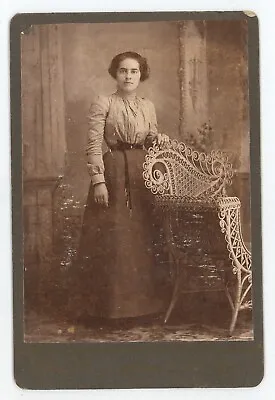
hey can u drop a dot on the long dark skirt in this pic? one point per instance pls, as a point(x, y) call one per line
point(117, 271)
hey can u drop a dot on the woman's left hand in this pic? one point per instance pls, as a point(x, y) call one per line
point(162, 139)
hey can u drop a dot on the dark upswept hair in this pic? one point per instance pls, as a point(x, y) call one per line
point(143, 65)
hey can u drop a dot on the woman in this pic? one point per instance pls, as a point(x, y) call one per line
point(117, 242)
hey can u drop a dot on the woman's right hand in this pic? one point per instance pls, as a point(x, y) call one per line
point(101, 195)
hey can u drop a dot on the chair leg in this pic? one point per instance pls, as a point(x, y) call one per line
point(233, 321)
point(237, 304)
point(175, 293)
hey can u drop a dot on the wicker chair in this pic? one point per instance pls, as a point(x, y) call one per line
point(201, 223)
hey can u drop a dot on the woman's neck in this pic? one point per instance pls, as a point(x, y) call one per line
point(126, 95)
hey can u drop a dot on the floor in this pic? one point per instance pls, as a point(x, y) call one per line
point(201, 321)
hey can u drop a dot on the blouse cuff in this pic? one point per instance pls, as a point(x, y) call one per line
point(98, 178)
point(96, 172)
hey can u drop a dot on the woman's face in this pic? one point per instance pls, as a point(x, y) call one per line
point(128, 75)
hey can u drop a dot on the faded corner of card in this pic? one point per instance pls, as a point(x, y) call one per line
point(250, 14)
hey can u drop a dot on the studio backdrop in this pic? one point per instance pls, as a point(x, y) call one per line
point(198, 83)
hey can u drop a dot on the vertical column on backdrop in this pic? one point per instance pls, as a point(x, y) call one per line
point(44, 140)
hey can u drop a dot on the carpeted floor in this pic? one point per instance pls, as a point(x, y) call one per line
point(208, 321)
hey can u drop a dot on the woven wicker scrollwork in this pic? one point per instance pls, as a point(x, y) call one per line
point(230, 223)
point(178, 170)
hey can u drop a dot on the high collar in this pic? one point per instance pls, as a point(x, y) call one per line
point(126, 96)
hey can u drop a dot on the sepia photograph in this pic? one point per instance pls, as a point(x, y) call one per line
point(136, 182)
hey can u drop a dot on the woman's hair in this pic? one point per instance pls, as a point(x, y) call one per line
point(143, 65)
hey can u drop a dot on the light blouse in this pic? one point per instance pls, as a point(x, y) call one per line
point(116, 118)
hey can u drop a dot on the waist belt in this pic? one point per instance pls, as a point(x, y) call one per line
point(121, 146)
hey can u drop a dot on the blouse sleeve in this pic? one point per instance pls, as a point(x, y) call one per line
point(153, 125)
point(96, 120)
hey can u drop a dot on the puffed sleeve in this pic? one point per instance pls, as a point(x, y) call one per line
point(153, 125)
point(96, 119)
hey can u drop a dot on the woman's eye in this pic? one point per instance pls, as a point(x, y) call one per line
point(124, 71)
